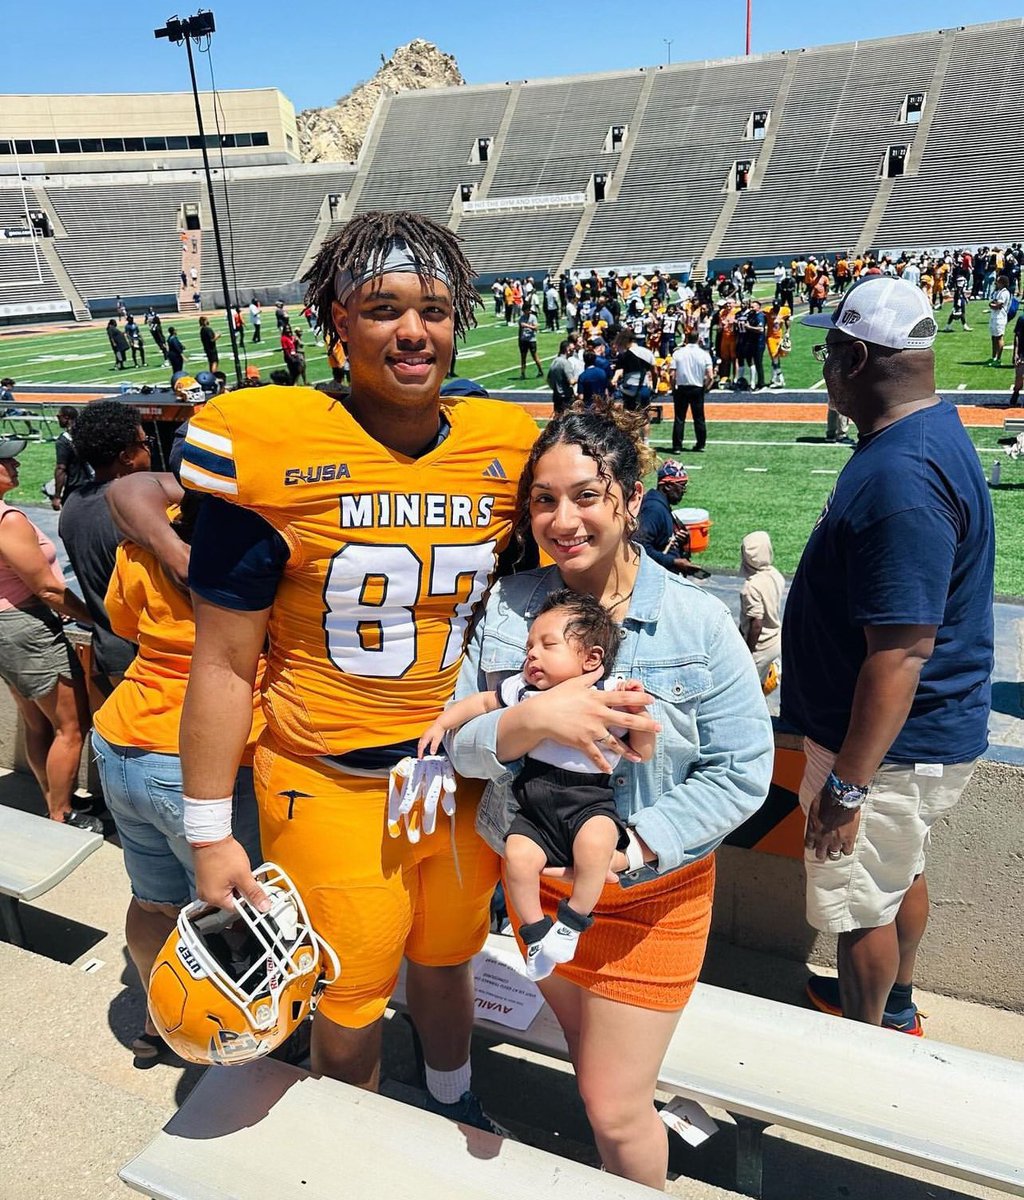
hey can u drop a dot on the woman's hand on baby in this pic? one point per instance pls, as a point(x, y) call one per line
point(619, 863)
point(577, 715)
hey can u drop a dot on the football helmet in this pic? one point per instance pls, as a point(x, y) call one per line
point(229, 987)
point(189, 391)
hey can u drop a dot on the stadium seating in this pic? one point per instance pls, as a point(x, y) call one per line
point(423, 151)
point(692, 134)
point(824, 169)
point(20, 280)
point(555, 138)
point(816, 185)
point(122, 239)
point(534, 241)
point(970, 180)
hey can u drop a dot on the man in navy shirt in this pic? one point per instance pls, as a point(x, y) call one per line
point(887, 647)
point(593, 382)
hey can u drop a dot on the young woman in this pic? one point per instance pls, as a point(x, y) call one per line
point(36, 661)
point(620, 998)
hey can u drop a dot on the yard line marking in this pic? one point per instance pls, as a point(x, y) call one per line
point(815, 386)
point(824, 472)
point(755, 470)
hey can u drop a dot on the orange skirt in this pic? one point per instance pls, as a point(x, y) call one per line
point(647, 943)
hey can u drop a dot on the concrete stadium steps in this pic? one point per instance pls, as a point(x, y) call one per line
point(21, 281)
point(422, 152)
point(272, 219)
point(122, 238)
point(518, 241)
point(824, 171)
point(555, 138)
point(969, 184)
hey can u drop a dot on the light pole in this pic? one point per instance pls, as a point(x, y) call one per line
point(668, 42)
point(185, 30)
point(749, 6)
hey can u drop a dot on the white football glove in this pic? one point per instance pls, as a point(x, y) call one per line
point(417, 786)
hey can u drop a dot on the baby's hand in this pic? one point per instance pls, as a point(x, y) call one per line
point(632, 685)
point(430, 741)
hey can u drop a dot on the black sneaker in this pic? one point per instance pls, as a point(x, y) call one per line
point(467, 1110)
point(82, 820)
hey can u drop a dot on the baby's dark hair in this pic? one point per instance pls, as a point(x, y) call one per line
point(588, 624)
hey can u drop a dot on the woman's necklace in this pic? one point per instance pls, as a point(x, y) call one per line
point(622, 600)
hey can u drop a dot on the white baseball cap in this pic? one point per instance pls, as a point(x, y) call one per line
point(883, 311)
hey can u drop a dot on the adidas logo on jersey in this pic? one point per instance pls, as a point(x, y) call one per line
point(495, 471)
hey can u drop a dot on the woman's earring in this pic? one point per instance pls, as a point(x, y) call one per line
point(633, 524)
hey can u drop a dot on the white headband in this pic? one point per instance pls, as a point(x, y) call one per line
point(398, 259)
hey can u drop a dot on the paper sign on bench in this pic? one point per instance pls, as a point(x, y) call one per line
point(503, 994)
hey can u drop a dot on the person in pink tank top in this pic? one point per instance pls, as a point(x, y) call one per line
point(36, 660)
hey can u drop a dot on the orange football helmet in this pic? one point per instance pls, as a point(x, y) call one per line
point(230, 987)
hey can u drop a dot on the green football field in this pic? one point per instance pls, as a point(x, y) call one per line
point(752, 476)
point(82, 355)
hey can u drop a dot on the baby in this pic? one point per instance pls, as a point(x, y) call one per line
point(567, 815)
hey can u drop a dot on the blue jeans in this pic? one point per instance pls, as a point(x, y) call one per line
point(143, 792)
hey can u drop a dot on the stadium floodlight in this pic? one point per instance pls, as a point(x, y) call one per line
point(185, 30)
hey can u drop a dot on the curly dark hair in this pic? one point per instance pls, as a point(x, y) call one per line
point(364, 242)
point(588, 624)
point(605, 432)
point(104, 430)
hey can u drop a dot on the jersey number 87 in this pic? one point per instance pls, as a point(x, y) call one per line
point(371, 595)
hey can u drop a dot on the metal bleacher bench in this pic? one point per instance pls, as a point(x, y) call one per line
point(35, 855)
point(30, 425)
point(936, 1106)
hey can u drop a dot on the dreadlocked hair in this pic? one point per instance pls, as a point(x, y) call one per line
point(607, 433)
point(364, 243)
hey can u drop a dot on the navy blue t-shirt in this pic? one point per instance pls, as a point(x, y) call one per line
point(906, 538)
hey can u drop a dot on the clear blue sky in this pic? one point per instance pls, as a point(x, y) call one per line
point(81, 46)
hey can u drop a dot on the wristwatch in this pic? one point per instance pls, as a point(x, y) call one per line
point(846, 795)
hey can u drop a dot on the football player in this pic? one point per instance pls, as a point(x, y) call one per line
point(356, 535)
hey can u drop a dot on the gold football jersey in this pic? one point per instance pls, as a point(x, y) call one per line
point(388, 555)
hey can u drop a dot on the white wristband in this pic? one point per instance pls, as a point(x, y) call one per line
point(207, 820)
point(634, 853)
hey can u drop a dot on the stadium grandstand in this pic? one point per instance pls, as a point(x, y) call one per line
point(695, 163)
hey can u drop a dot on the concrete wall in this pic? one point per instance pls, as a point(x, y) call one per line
point(975, 872)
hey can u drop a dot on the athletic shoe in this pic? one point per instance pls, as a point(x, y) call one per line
point(823, 993)
point(967, 329)
point(82, 820)
point(467, 1110)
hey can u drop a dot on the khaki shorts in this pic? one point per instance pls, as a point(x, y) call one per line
point(35, 655)
point(864, 890)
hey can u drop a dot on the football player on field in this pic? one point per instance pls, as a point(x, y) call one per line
point(357, 536)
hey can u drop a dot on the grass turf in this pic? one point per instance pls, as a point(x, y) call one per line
point(490, 354)
point(772, 476)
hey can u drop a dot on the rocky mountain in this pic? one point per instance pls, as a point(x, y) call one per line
point(335, 134)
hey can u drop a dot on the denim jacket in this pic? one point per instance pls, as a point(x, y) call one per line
point(712, 764)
